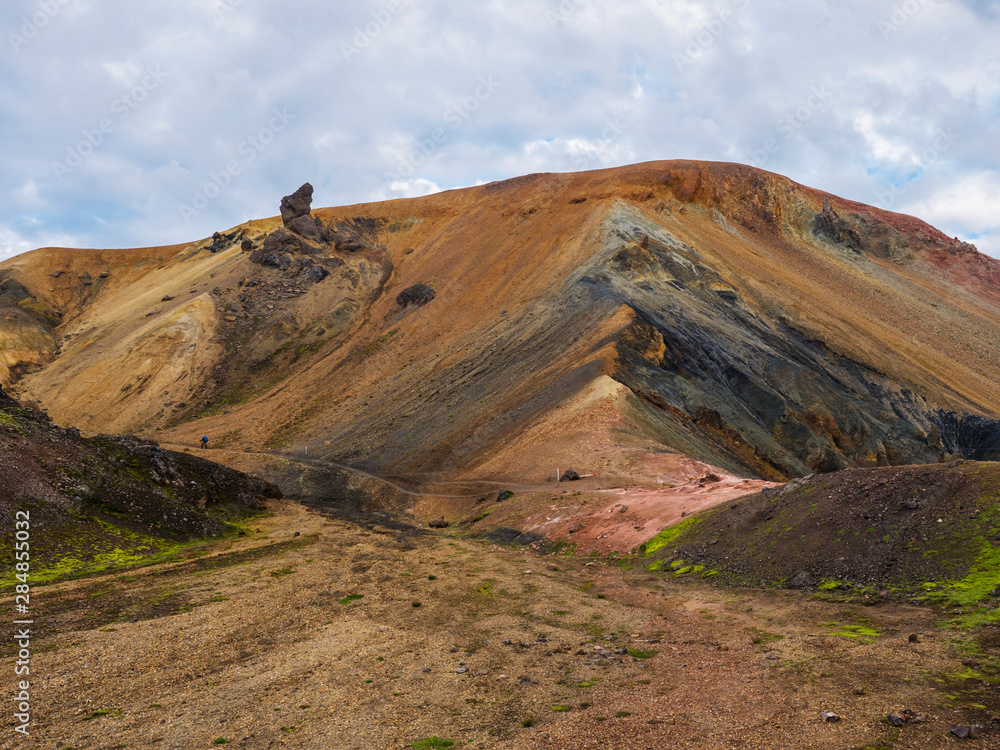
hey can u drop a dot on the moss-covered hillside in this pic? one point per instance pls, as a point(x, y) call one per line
point(929, 532)
point(110, 501)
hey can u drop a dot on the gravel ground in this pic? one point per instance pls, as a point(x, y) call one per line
point(257, 648)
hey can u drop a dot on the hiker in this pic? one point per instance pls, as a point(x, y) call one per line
point(204, 442)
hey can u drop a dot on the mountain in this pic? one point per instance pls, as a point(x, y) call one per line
point(596, 320)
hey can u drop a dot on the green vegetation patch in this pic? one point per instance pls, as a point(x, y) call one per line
point(351, 598)
point(670, 535)
point(637, 654)
point(431, 743)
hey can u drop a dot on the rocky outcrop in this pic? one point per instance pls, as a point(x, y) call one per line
point(829, 224)
point(297, 205)
point(417, 295)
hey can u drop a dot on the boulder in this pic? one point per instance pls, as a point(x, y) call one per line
point(570, 476)
point(297, 204)
point(801, 580)
point(305, 226)
point(246, 246)
point(438, 523)
point(417, 295)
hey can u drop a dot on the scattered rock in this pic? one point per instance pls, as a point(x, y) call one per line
point(553, 566)
point(830, 716)
point(417, 295)
point(246, 246)
point(801, 580)
point(575, 528)
point(526, 680)
point(914, 638)
point(623, 509)
point(438, 523)
point(462, 670)
point(166, 298)
point(911, 504)
point(859, 691)
point(570, 476)
point(504, 495)
point(56, 274)
point(906, 716)
point(960, 730)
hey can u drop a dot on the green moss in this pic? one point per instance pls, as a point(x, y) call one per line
point(351, 598)
point(637, 654)
point(669, 535)
point(862, 633)
point(431, 743)
point(975, 587)
point(486, 587)
point(830, 584)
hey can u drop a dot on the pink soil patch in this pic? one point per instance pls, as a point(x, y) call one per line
point(646, 513)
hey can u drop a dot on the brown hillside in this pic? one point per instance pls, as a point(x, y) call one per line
point(749, 322)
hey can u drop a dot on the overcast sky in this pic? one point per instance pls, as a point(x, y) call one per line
point(135, 123)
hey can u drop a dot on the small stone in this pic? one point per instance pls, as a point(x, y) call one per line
point(462, 670)
point(297, 534)
point(526, 680)
point(427, 670)
point(897, 720)
point(960, 730)
point(624, 508)
point(553, 566)
point(506, 642)
point(859, 691)
point(438, 523)
point(914, 638)
point(830, 716)
point(575, 528)
point(801, 580)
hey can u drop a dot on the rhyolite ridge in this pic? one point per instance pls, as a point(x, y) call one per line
point(726, 313)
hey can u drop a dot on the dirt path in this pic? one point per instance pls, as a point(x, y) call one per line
point(314, 641)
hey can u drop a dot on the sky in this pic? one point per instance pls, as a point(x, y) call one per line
point(141, 123)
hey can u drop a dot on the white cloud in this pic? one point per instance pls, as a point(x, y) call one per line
point(561, 69)
point(972, 202)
